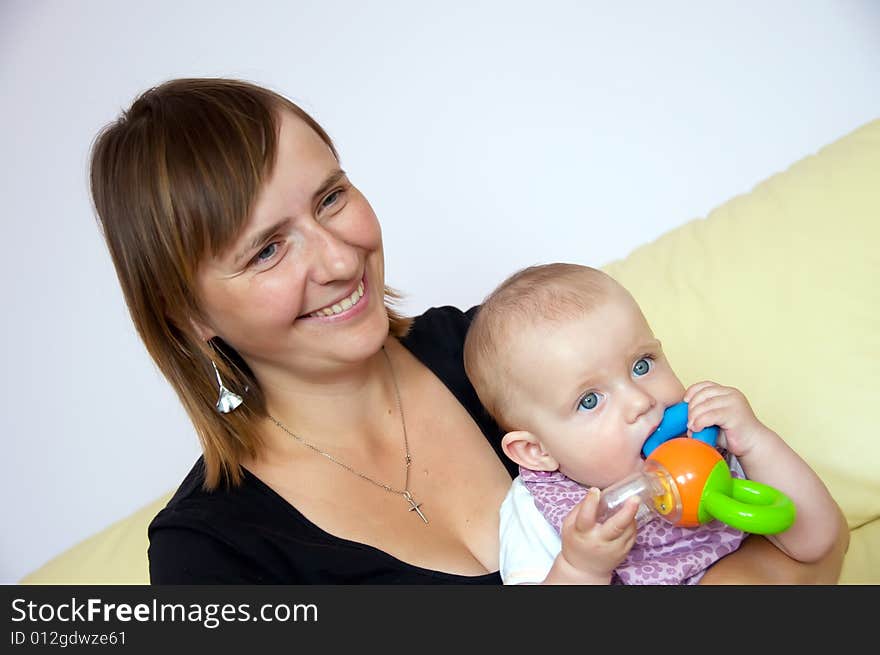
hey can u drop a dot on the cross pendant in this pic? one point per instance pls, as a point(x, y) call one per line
point(414, 506)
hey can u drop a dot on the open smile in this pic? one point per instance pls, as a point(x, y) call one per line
point(349, 304)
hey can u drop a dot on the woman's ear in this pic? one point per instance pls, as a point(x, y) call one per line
point(205, 333)
point(524, 448)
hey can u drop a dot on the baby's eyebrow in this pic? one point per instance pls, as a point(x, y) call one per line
point(584, 384)
point(653, 344)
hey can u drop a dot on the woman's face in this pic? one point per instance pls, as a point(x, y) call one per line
point(302, 287)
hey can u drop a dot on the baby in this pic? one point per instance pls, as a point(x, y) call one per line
point(563, 359)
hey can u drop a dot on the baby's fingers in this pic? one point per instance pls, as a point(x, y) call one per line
point(622, 521)
point(713, 411)
point(696, 388)
point(706, 393)
point(585, 511)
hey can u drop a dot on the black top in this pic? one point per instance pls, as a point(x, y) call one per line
point(251, 535)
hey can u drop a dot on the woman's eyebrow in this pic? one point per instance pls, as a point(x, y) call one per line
point(332, 179)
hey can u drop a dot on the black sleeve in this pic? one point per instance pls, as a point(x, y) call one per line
point(183, 556)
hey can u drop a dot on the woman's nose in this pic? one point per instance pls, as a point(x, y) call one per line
point(332, 257)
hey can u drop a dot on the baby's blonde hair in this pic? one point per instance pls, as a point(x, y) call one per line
point(528, 298)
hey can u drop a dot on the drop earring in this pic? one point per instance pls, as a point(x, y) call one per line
point(228, 401)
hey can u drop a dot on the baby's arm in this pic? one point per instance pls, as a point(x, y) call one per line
point(759, 562)
point(592, 550)
point(766, 458)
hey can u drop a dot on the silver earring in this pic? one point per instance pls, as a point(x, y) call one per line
point(227, 401)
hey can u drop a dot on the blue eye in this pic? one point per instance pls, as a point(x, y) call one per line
point(642, 367)
point(589, 401)
point(330, 198)
point(266, 253)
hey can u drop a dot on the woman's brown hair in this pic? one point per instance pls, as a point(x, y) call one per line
point(173, 181)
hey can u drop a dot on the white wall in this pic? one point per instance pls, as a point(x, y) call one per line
point(487, 135)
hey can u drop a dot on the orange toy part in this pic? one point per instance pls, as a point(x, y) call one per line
point(689, 462)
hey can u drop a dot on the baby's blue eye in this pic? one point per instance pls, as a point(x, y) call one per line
point(589, 401)
point(641, 367)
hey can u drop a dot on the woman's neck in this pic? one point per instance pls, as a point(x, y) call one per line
point(346, 408)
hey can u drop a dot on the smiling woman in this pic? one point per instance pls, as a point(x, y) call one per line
point(310, 243)
point(171, 240)
point(342, 442)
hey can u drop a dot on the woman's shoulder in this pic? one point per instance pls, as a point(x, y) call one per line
point(197, 509)
point(436, 337)
point(198, 536)
point(440, 328)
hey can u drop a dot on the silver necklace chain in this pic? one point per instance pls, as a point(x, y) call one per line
point(405, 492)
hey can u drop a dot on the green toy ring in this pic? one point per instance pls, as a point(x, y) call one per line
point(745, 504)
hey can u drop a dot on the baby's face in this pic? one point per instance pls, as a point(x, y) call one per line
point(592, 389)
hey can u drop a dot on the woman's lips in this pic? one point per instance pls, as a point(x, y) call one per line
point(346, 307)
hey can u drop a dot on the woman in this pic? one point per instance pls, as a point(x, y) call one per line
point(342, 442)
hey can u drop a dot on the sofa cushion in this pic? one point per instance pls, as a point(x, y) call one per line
point(115, 555)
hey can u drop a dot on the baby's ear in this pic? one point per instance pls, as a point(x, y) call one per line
point(524, 448)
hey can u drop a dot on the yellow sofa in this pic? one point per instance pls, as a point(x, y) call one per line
point(774, 292)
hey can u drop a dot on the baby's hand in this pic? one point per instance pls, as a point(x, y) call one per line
point(712, 404)
point(596, 549)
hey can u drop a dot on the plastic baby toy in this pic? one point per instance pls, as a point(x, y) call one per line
point(686, 482)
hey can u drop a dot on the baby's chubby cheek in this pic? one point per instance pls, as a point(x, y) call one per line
point(672, 391)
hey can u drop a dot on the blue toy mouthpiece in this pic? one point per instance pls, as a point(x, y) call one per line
point(674, 424)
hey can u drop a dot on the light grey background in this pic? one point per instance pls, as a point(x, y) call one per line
point(487, 135)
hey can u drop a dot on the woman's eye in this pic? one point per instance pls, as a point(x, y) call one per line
point(331, 198)
point(642, 366)
point(589, 401)
point(266, 253)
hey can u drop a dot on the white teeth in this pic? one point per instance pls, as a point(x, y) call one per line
point(342, 305)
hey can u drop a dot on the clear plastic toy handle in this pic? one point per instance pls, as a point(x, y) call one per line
point(656, 493)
